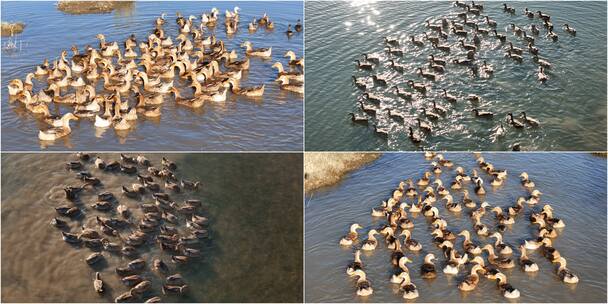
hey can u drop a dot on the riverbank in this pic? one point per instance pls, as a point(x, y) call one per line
point(91, 7)
point(10, 29)
point(326, 169)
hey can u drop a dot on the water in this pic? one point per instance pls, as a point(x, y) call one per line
point(571, 106)
point(574, 185)
point(254, 253)
point(271, 123)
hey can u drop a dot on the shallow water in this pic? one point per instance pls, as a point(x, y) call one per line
point(254, 253)
point(271, 123)
point(574, 184)
point(571, 105)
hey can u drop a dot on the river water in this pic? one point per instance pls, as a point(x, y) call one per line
point(574, 184)
point(571, 105)
point(254, 251)
point(271, 123)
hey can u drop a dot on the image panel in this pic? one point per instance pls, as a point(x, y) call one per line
point(412, 75)
point(455, 227)
point(152, 76)
point(154, 227)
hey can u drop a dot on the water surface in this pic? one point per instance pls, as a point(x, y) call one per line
point(254, 253)
point(574, 184)
point(271, 123)
point(571, 106)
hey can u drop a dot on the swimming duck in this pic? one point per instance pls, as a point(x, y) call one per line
point(534, 197)
point(525, 180)
point(58, 132)
point(397, 278)
point(480, 228)
point(411, 244)
point(551, 35)
point(420, 87)
point(415, 138)
point(287, 85)
point(296, 76)
point(527, 264)
point(501, 262)
point(548, 217)
point(355, 265)
point(501, 247)
point(570, 30)
point(507, 290)
point(371, 242)
point(425, 180)
point(468, 245)
point(427, 270)
point(416, 42)
point(471, 281)
point(428, 75)
point(564, 273)
point(514, 122)
point(293, 60)
point(501, 37)
point(260, 52)
point(363, 286)
point(482, 113)
point(529, 120)
point(542, 77)
point(409, 289)
point(351, 236)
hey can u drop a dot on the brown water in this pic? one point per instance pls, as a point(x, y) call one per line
point(254, 253)
point(573, 183)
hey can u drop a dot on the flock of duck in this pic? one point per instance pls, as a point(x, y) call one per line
point(424, 196)
point(462, 33)
point(178, 229)
point(127, 93)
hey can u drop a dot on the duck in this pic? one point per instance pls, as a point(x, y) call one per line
point(451, 266)
point(425, 180)
point(501, 247)
point(482, 113)
point(471, 281)
point(298, 27)
point(430, 114)
point(534, 197)
point(452, 206)
point(415, 138)
point(293, 60)
point(355, 265)
point(518, 207)
point(514, 122)
point(569, 30)
point(371, 243)
point(296, 76)
point(255, 91)
point(514, 56)
point(551, 35)
point(58, 132)
point(468, 245)
point(420, 87)
point(529, 120)
point(364, 288)
point(502, 218)
point(398, 277)
point(549, 251)
point(506, 289)
point(351, 236)
point(564, 273)
point(98, 283)
point(260, 52)
point(427, 270)
point(416, 42)
point(525, 180)
point(287, 85)
point(428, 75)
point(480, 228)
point(410, 243)
point(501, 37)
point(409, 289)
point(498, 261)
point(469, 47)
point(548, 217)
point(542, 77)
point(527, 264)
point(439, 109)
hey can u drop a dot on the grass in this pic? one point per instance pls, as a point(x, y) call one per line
point(12, 28)
point(91, 7)
point(326, 169)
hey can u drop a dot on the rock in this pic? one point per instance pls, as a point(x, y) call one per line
point(92, 7)
point(10, 29)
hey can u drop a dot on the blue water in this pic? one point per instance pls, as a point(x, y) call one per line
point(272, 123)
point(571, 105)
point(573, 183)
